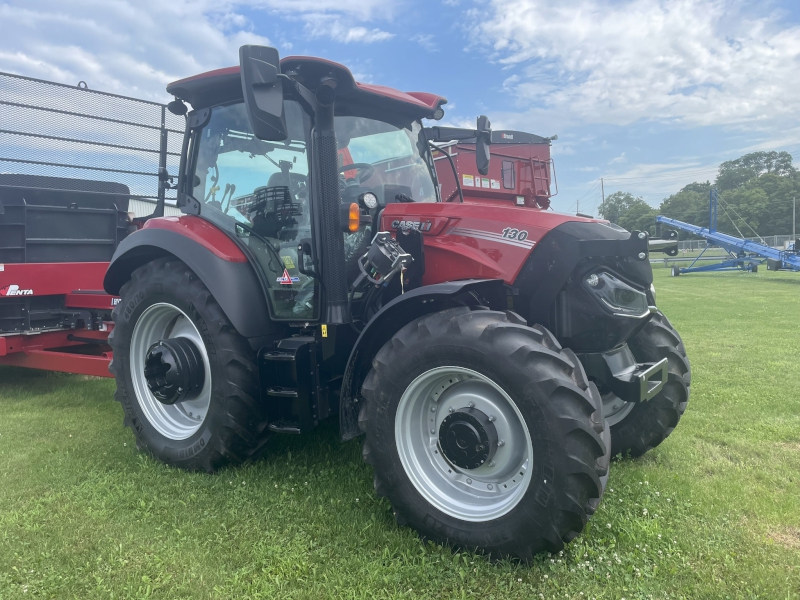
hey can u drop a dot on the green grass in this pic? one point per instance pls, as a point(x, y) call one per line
point(714, 512)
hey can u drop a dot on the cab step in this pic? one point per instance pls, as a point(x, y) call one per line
point(288, 374)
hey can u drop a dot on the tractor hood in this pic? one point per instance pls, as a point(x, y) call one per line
point(352, 97)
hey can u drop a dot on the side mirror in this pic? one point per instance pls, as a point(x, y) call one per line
point(263, 91)
point(482, 141)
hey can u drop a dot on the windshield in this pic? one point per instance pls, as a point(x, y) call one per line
point(387, 160)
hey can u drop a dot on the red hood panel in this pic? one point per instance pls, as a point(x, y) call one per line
point(474, 240)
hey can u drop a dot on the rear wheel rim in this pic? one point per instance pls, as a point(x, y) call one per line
point(481, 494)
point(181, 420)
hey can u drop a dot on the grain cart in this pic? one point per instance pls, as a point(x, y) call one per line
point(521, 169)
point(316, 272)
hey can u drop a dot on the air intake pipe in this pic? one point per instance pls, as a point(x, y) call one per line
point(331, 246)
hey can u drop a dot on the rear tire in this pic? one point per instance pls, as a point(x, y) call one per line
point(646, 424)
point(675, 271)
point(164, 297)
point(528, 381)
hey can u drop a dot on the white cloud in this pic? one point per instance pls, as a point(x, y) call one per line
point(655, 181)
point(364, 10)
point(619, 159)
point(136, 47)
point(698, 62)
point(426, 40)
point(320, 25)
point(127, 48)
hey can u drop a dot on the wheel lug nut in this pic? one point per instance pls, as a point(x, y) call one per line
point(472, 405)
point(490, 486)
point(491, 463)
point(433, 431)
point(501, 443)
point(433, 409)
point(491, 418)
point(451, 410)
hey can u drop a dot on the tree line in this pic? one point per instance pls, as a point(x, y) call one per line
point(755, 191)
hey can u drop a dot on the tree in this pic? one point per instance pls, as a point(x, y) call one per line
point(689, 205)
point(735, 173)
point(755, 194)
point(629, 212)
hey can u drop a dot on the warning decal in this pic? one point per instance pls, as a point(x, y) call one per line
point(468, 180)
point(286, 279)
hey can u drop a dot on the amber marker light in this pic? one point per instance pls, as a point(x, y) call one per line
point(355, 218)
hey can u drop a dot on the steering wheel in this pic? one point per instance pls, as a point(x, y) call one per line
point(364, 171)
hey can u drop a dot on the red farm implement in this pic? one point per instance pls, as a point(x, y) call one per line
point(520, 169)
point(76, 166)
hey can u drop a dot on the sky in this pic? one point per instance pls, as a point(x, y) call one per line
point(648, 95)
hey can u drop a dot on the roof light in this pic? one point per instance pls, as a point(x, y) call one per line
point(369, 200)
point(438, 114)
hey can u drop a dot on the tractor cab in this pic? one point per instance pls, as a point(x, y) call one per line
point(261, 190)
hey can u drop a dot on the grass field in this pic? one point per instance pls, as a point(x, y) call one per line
point(714, 512)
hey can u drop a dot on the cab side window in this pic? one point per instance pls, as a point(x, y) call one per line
point(261, 188)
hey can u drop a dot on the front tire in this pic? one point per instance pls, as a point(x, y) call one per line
point(508, 383)
point(224, 422)
point(639, 427)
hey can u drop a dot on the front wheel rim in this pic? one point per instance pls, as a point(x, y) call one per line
point(615, 409)
point(480, 494)
point(181, 420)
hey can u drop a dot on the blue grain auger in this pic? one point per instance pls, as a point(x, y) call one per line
point(742, 254)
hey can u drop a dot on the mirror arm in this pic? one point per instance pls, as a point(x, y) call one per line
point(304, 96)
point(449, 134)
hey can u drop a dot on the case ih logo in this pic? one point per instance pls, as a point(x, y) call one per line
point(13, 290)
point(419, 226)
point(507, 136)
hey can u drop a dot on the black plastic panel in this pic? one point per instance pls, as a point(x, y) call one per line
point(42, 223)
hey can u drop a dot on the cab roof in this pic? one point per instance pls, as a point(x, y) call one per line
point(352, 97)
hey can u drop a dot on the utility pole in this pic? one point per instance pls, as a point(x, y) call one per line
point(603, 192)
point(794, 222)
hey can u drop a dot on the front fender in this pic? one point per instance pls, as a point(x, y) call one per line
point(391, 318)
point(211, 255)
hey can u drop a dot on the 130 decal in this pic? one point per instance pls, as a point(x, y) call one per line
point(515, 234)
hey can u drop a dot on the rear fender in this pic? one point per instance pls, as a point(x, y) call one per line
point(391, 318)
point(211, 255)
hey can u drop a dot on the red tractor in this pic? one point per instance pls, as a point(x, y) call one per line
point(494, 355)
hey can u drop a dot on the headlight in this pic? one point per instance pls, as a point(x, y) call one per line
point(616, 296)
